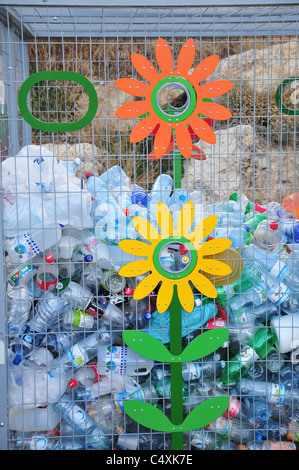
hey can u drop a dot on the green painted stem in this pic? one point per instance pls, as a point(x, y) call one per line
point(177, 170)
point(176, 378)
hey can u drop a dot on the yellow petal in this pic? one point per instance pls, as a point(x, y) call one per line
point(212, 266)
point(203, 229)
point(146, 286)
point(136, 268)
point(164, 295)
point(215, 246)
point(185, 220)
point(136, 248)
point(146, 229)
point(185, 295)
point(203, 285)
point(164, 219)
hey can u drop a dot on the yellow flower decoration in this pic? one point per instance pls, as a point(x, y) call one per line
point(176, 257)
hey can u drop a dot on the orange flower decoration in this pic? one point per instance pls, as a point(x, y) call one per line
point(174, 119)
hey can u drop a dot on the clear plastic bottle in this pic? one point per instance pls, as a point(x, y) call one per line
point(236, 430)
point(19, 305)
point(139, 195)
point(113, 282)
point(82, 423)
point(209, 440)
point(23, 248)
point(100, 253)
point(82, 352)
point(91, 277)
point(274, 393)
point(77, 319)
point(161, 190)
point(239, 236)
point(45, 314)
point(269, 236)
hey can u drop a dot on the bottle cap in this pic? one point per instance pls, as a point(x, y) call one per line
point(147, 316)
point(274, 226)
point(49, 258)
point(182, 250)
point(73, 383)
point(126, 211)
point(88, 174)
point(88, 258)
point(129, 291)
point(17, 359)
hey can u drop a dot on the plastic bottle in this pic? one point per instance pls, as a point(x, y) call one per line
point(98, 189)
point(82, 352)
point(85, 376)
point(259, 408)
point(21, 275)
point(262, 341)
point(33, 419)
point(71, 166)
point(100, 253)
point(291, 204)
point(78, 319)
point(275, 211)
point(138, 321)
point(116, 179)
point(269, 236)
point(40, 442)
point(274, 393)
point(252, 223)
point(161, 190)
point(271, 262)
point(139, 195)
point(237, 431)
point(77, 296)
point(250, 314)
point(46, 312)
point(246, 206)
point(289, 376)
point(123, 361)
point(109, 313)
point(59, 341)
point(19, 305)
point(250, 277)
point(113, 282)
point(47, 274)
point(191, 371)
point(257, 295)
point(280, 445)
point(179, 197)
point(23, 248)
point(82, 423)
point(238, 236)
point(209, 440)
point(91, 277)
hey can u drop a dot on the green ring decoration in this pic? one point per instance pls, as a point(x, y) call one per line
point(57, 126)
point(278, 97)
point(189, 110)
point(189, 269)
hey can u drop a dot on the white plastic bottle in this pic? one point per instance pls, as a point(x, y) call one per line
point(33, 419)
point(123, 361)
point(24, 247)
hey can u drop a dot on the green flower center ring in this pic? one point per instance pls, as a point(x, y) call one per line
point(173, 113)
point(175, 257)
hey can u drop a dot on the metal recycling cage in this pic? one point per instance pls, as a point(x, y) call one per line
point(255, 151)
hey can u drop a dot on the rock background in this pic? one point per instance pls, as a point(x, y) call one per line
point(256, 150)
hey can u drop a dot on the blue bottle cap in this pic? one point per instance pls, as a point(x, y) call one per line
point(88, 258)
point(259, 437)
point(147, 316)
point(17, 359)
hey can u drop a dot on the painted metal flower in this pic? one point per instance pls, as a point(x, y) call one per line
point(176, 257)
point(169, 118)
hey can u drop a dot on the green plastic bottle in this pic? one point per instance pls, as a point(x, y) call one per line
point(263, 340)
point(253, 222)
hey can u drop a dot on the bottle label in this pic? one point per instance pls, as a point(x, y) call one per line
point(77, 415)
point(46, 285)
point(76, 356)
point(38, 443)
point(239, 317)
point(198, 444)
point(233, 408)
point(193, 371)
point(282, 445)
point(277, 394)
point(221, 426)
point(248, 356)
point(261, 292)
point(293, 433)
point(82, 319)
point(215, 323)
point(16, 277)
point(116, 361)
point(279, 270)
point(228, 289)
point(119, 399)
point(280, 294)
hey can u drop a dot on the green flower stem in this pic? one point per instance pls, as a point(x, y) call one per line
point(176, 379)
point(177, 170)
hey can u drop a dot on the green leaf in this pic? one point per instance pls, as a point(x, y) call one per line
point(146, 345)
point(205, 344)
point(205, 413)
point(149, 416)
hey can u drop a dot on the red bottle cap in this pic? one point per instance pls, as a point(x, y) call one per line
point(129, 291)
point(88, 174)
point(49, 258)
point(126, 211)
point(274, 226)
point(182, 250)
point(73, 383)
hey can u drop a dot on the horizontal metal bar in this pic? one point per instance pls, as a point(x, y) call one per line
point(150, 3)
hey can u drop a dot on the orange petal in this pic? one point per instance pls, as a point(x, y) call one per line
point(183, 140)
point(145, 68)
point(143, 129)
point(202, 129)
point(186, 57)
point(204, 69)
point(132, 110)
point(198, 154)
point(215, 111)
point(133, 87)
point(162, 140)
point(164, 56)
point(152, 156)
point(215, 88)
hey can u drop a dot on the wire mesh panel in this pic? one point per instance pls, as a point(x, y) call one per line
point(69, 198)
